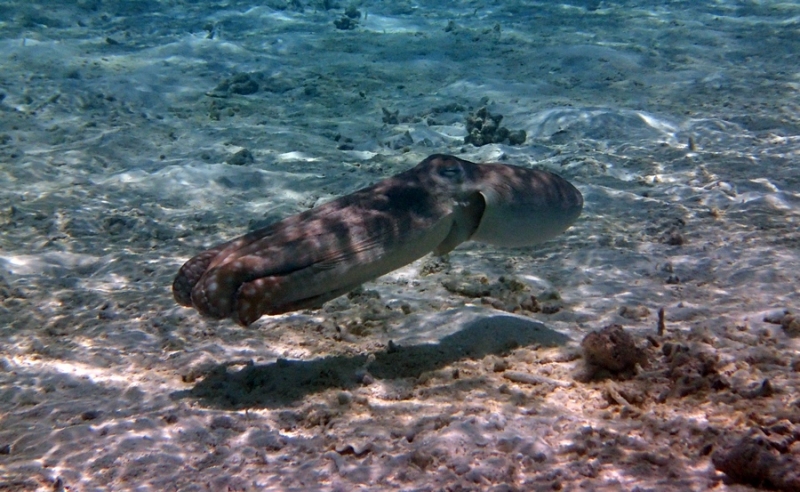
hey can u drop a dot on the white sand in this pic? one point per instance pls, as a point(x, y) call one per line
point(112, 173)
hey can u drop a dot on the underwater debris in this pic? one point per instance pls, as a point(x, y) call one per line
point(240, 83)
point(443, 115)
point(534, 379)
point(398, 142)
point(327, 4)
point(345, 143)
point(691, 370)
point(346, 23)
point(762, 390)
point(507, 294)
point(241, 158)
point(791, 325)
point(634, 313)
point(390, 117)
point(755, 461)
point(668, 231)
point(294, 5)
point(611, 350)
point(468, 285)
point(673, 238)
point(434, 264)
point(788, 321)
point(484, 128)
point(352, 12)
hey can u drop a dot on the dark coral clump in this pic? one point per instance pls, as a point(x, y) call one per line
point(484, 128)
point(611, 350)
point(349, 20)
point(243, 84)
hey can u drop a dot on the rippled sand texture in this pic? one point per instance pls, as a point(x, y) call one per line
point(135, 134)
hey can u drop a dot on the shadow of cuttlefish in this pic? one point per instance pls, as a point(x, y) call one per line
point(286, 381)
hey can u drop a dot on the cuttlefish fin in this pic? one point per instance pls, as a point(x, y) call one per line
point(524, 207)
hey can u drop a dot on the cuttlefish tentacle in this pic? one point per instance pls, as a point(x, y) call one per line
point(310, 258)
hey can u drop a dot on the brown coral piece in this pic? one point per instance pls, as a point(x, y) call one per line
point(612, 349)
point(692, 370)
point(753, 461)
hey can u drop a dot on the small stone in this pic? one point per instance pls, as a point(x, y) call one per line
point(241, 158)
point(390, 117)
point(352, 12)
point(634, 312)
point(530, 304)
point(364, 377)
point(344, 398)
point(345, 23)
point(358, 449)
point(500, 365)
point(517, 138)
point(421, 459)
point(222, 422)
point(243, 84)
point(673, 238)
point(791, 325)
point(763, 390)
point(266, 439)
point(90, 415)
point(551, 308)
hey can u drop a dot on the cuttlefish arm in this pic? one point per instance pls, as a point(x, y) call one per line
point(307, 259)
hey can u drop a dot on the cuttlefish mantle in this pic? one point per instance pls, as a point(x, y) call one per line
point(315, 256)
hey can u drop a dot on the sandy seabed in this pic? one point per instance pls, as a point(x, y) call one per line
point(135, 134)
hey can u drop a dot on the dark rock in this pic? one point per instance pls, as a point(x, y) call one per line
point(692, 371)
point(345, 23)
point(753, 461)
point(390, 117)
point(791, 325)
point(241, 158)
point(612, 349)
point(266, 439)
point(222, 422)
point(352, 12)
point(90, 415)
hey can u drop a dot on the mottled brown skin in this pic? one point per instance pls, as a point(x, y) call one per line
point(312, 257)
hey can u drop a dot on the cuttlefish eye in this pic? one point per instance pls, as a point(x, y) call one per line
point(453, 173)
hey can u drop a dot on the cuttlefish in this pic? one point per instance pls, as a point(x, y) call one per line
point(307, 259)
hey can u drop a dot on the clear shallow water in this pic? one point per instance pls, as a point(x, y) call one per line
point(668, 116)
